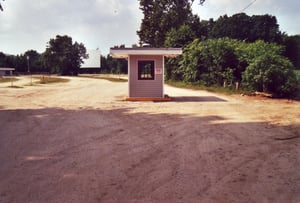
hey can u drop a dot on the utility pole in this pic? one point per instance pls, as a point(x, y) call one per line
point(28, 70)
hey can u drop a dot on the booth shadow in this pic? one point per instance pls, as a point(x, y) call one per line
point(197, 99)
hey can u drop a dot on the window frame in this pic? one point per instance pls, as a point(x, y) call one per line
point(140, 64)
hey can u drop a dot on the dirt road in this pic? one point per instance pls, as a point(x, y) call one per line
point(79, 142)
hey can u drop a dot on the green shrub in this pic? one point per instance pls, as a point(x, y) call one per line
point(272, 74)
point(259, 65)
point(211, 61)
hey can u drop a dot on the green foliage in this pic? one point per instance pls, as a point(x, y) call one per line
point(114, 66)
point(50, 80)
point(272, 74)
point(199, 86)
point(171, 23)
point(297, 72)
point(248, 52)
point(180, 37)
point(110, 78)
point(260, 65)
point(292, 51)
point(35, 61)
point(172, 72)
point(63, 56)
point(18, 62)
point(250, 28)
point(211, 61)
point(160, 17)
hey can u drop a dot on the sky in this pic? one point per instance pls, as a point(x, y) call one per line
point(30, 24)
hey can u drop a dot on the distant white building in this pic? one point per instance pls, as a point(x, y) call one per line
point(93, 60)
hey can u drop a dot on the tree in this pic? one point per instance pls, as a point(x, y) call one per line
point(63, 56)
point(266, 28)
point(2, 60)
point(211, 61)
point(292, 50)
point(35, 61)
point(180, 37)
point(250, 28)
point(112, 65)
point(160, 16)
point(237, 26)
point(1, 8)
point(260, 66)
point(272, 74)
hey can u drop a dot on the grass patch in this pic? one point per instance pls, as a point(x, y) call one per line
point(197, 86)
point(15, 87)
point(50, 80)
point(114, 78)
point(4, 80)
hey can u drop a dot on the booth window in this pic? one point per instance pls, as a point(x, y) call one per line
point(146, 70)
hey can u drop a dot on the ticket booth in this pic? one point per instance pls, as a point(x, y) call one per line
point(145, 71)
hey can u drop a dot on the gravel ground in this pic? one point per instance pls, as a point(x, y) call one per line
point(79, 142)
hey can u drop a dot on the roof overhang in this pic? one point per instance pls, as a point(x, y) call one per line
point(7, 69)
point(126, 52)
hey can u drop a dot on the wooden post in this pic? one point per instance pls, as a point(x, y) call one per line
point(224, 84)
point(237, 86)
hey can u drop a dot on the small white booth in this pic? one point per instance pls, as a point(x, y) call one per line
point(145, 71)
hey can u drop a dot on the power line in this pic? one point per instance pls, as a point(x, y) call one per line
point(248, 6)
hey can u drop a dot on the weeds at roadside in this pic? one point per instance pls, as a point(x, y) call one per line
point(15, 87)
point(111, 79)
point(8, 79)
point(49, 80)
point(229, 90)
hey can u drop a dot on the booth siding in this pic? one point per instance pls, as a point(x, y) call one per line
point(145, 71)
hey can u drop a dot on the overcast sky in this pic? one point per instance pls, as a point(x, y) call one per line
point(29, 24)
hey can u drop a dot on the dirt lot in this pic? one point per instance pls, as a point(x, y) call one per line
point(79, 142)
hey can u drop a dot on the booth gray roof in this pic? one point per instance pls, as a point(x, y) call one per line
point(125, 52)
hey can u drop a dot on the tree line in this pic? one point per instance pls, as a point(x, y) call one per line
point(259, 66)
point(247, 49)
point(239, 48)
point(62, 56)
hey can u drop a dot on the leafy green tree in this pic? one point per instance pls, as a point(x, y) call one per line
point(35, 61)
point(249, 28)
point(249, 52)
point(205, 28)
point(18, 62)
point(8, 60)
point(112, 65)
point(162, 16)
point(237, 26)
point(272, 74)
point(260, 66)
point(2, 60)
point(292, 51)
point(180, 37)
point(211, 61)
point(266, 28)
point(266, 69)
point(63, 56)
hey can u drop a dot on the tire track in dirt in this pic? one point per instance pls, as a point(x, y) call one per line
point(79, 143)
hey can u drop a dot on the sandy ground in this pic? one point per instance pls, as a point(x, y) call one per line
point(79, 142)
